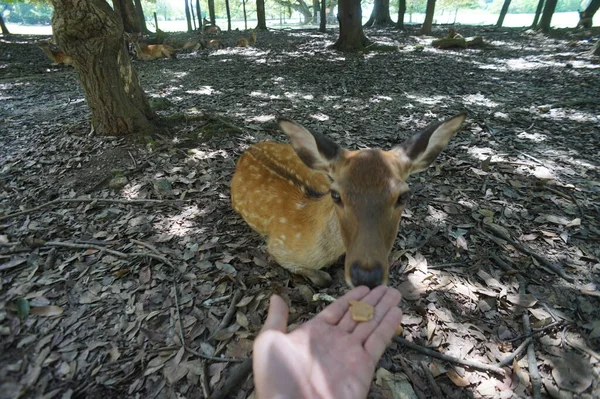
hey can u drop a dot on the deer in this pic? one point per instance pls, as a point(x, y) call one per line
point(314, 201)
point(214, 44)
point(58, 57)
point(210, 28)
point(247, 41)
point(585, 21)
point(149, 52)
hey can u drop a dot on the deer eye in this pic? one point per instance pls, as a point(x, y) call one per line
point(403, 199)
point(336, 197)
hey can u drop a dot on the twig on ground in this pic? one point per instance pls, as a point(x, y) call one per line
point(234, 380)
point(537, 331)
point(83, 200)
point(536, 380)
point(500, 234)
point(450, 359)
point(228, 315)
point(508, 359)
point(444, 265)
point(204, 383)
point(192, 351)
point(413, 377)
point(437, 392)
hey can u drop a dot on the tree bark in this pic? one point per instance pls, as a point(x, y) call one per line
point(352, 36)
point(129, 17)
point(323, 22)
point(426, 28)
point(546, 18)
point(3, 27)
point(315, 11)
point(538, 12)
point(260, 15)
point(139, 10)
point(401, 12)
point(92, 34)
point(199, 15)
point(245, 15)
point(188, 16)
point(503, 13)
point(211, 12)
point(228, 15)
point(586, 16)
point(380, 16)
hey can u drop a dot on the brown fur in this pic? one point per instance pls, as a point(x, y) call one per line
point(57, 56)
point(214, 44)
point(247, 41)
point(290, 203)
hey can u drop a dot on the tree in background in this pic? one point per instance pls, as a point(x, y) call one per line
point(139, 10)
point(352, 37)
point(426, 28)
point(301, 7)
point(92, 34)
point(538, 12)
point(401, 12)
point(3, 27)
point(380, 16)
point(188, 16)
point(260, 15)
point(228, 15)
point(586, 16)
point(546, 18)
point(133, 22)
point(323, 15)
point(199, 15)
point(211, 12)
point(503, 13)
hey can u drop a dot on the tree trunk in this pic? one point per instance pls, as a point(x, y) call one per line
point(380, 16)
point(315, 12)
point(92, 34)
point(211, 12)
point(546, 18)
point(126, 10)
point(192, 17)
point(188, 16)
point(139, 11)
point(3, 26)
point(199, 15)
point(426, 28)
point(228, 15)
point(596, 49)
point(503, 13)
point(323, 24)
point(586, 16)
point(245, 15)
point(260, 15)
point(352, 37)
point(401, 12)
point(538, 12)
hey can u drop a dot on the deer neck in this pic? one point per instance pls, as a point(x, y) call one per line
point(328, 240)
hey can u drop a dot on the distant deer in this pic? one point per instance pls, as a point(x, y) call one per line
point(58, 57)
point(314, 200)
point(247, 41)
point(149, 52)
point(214, 44)
point(210, 28)
point(584, 21)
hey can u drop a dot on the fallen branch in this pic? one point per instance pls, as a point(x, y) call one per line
point(437, 392)
point(536, 380)
point(537, 331)
point(502, 235)
point(234, 380)
point(450, 359)
point(509, 359)
point(228, 315)
point(84, 200)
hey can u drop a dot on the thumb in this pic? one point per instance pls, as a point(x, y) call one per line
point(278, 315)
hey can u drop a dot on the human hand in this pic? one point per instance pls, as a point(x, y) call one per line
point(329, 357)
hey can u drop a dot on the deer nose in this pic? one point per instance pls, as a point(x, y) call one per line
point(370, 276)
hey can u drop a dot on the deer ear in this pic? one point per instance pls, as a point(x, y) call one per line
point(314, 149)
point(424, 147)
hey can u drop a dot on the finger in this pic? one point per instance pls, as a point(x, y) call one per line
point(334, 312)
point(390, 300)
point(382, 335)
point(278, 315)
point(347, 323)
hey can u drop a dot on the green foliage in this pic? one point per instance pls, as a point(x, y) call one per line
point(29, 12)
point(457, 4)
point(529, 6)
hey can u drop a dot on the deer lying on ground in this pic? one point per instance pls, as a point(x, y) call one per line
point(214, 44)
point(57, 56)
point(188, 45)
point(314, 200)
point(210, 28)
point(149, 52)
point(247, 41)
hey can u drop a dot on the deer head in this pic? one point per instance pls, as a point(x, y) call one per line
point(369, 190)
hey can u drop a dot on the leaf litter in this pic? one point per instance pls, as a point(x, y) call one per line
point(135, 278)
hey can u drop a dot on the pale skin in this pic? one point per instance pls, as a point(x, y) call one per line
point(329, 357)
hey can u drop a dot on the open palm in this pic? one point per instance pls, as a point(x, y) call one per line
point(330, 356)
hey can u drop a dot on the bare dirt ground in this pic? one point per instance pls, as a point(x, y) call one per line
point(139, 248)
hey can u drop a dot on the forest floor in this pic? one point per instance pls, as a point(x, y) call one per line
point(137, 246)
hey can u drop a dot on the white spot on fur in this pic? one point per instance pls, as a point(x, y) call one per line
point(282, 220)
point(300, 205)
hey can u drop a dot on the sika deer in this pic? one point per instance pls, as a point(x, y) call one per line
point(314, 200)
point(57, 56)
